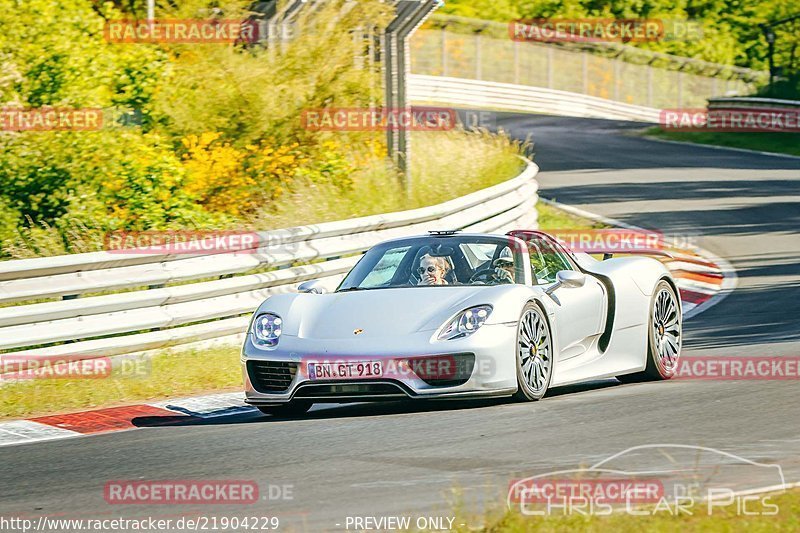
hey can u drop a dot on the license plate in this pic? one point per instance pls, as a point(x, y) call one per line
point(345, 370)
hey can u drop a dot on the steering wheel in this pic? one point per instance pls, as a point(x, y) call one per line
point(488, 275)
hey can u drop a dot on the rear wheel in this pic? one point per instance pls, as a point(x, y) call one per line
point(534, 354)
point(665, 328)
point(295, 408)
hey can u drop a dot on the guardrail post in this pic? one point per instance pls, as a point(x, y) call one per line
point(444, 50)
point(358, 39)
point(410, 14)
point(372, 51)
point(478, 72)
point(585, 73)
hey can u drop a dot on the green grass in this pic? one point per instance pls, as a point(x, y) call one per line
point(722, 520)
point(166, 375)
point(780, 143)
point(551, 218)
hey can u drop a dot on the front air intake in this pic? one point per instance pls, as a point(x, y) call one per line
point(443, 370)
point(271, 376)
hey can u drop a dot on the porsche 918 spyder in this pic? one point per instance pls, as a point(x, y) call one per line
point(450, 315)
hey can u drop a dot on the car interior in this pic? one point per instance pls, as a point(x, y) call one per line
point(461, 261)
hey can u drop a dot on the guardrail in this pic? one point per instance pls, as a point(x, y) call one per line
point(512, 97)
point(747, 102)
point(159, 316)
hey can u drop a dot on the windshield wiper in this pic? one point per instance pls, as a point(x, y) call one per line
point(348, 289)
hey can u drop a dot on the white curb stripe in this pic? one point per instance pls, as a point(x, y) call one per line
point(697, 286)
point(24, 431)
point(208, 406)
point(28, 431)
point(691, 267)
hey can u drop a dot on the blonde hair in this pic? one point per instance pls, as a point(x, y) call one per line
point(440, 262)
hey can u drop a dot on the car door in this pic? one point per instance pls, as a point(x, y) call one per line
point(579, 311)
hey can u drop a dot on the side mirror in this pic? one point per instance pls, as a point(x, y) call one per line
point(567, 278)
point(313, 286)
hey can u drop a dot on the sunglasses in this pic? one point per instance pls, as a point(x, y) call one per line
point(431, 269)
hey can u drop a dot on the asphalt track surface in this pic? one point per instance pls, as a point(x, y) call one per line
point(377, 460)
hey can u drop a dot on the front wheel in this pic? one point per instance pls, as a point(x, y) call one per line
point(534, 354)
point(664, 336)
point(293, 408)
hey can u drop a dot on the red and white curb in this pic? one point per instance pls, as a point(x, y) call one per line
point(112, 419)
point(702, 281)
point(702, 278)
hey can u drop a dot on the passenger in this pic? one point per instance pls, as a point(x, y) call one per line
point(432, 270)
point(504, 266)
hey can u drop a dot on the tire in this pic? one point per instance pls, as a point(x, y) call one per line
point(534, 355)
point(294, 408)
point(664, 336)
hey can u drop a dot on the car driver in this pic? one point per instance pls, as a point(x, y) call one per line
point(432, 270)
point(504, 266)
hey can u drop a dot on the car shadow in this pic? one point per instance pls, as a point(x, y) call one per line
point(359, 410)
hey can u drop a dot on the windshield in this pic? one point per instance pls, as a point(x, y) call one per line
point(438, 261)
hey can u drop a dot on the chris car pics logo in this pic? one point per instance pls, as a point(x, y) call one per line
point(654, 480)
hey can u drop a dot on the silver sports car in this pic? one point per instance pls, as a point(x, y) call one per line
point(450, 315)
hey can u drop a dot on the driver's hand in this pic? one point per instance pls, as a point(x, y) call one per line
point(503, 276)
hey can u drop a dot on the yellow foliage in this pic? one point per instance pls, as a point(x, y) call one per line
point(215, 175)
point(226, 179)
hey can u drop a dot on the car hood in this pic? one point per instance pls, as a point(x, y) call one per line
point(378, 312)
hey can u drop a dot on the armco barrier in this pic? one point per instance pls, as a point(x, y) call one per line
point(161, 315)
point(748, 102)
point(784, 112)
point(510, 97)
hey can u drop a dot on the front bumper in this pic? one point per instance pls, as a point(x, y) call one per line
point(486, 363)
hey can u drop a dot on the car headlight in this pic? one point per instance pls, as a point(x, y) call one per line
point(465, 323)
point(267, 329)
